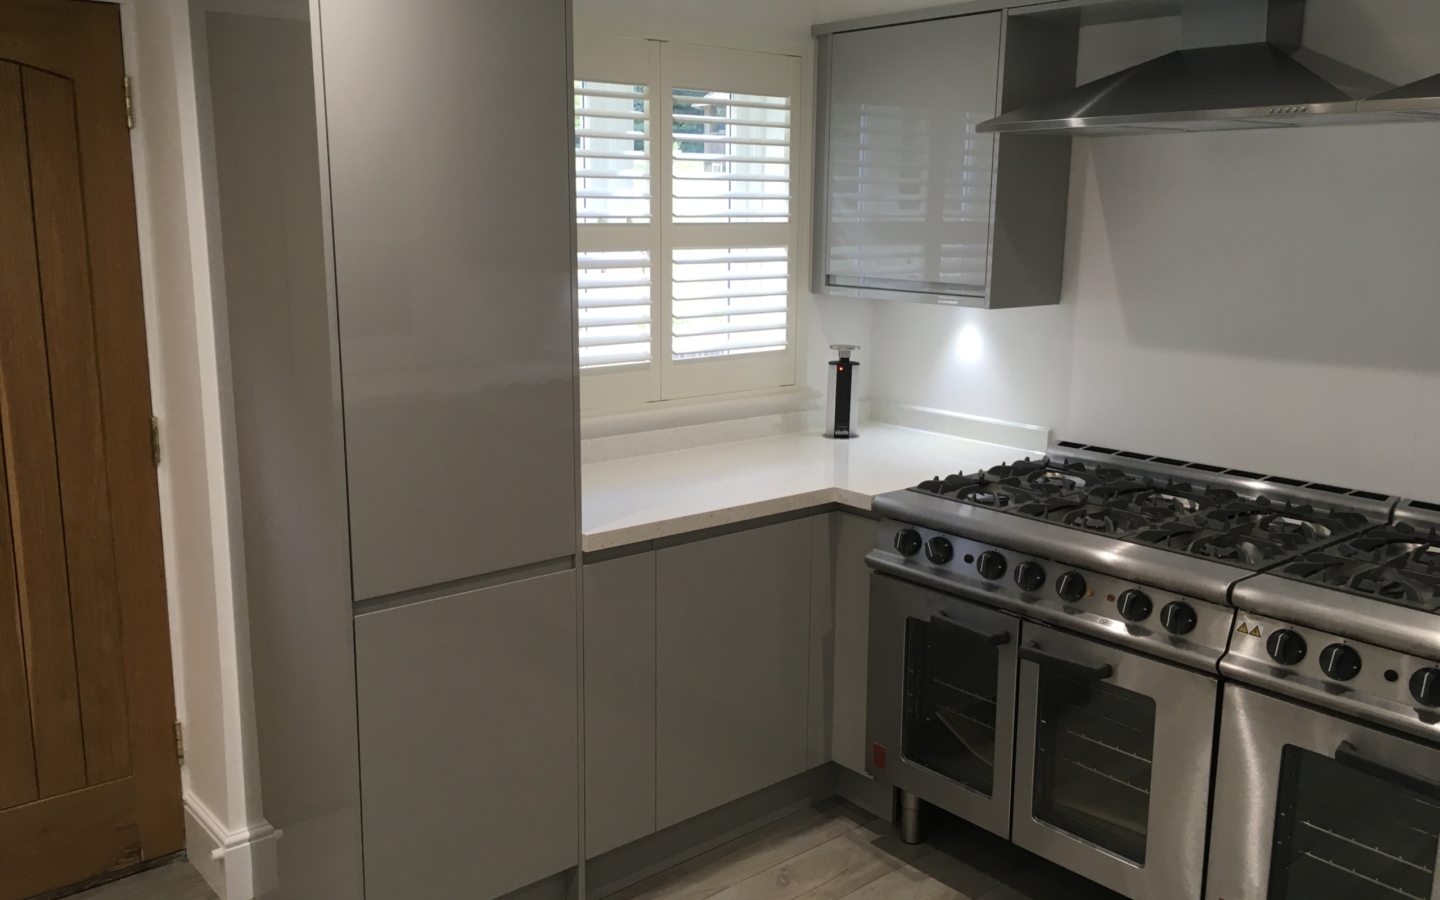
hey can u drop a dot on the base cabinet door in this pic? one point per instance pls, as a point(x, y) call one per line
point(855, 537)
point(469, 741)
point(732, 639)
point(619, 701)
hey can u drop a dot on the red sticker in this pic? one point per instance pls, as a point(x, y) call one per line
point(877, 755)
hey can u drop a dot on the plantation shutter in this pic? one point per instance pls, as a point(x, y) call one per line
point(685, 214)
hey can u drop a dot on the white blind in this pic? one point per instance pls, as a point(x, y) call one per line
point(612, 153)
point(614, 308)
point(729, 301)
point(731, 157)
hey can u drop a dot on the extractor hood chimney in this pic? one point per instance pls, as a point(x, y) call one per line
point(1241, 65)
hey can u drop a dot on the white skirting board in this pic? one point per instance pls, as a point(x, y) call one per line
point(238, 865)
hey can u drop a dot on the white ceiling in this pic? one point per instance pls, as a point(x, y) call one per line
point(780, 19)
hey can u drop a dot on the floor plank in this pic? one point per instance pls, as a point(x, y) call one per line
point(725, 866)
point(836, 852)
point(176, 881)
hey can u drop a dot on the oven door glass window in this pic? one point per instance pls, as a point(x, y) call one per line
point(951, 678)
point(1341, 834)
point(1093, 751)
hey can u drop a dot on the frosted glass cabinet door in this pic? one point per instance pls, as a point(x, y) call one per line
point(451, 173)
point(909, 179)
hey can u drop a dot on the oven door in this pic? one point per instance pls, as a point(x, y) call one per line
point(941, 712)
point(1112, 764)
point(1309, 806)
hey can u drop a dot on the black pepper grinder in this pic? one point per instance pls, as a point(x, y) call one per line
point(840, 404)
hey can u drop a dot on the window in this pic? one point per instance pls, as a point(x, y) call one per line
point(686, 211)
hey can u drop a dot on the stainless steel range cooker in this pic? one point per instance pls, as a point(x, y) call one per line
point(1053, 643)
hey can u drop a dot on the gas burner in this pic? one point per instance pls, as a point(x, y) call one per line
point(991, 496)
point(1241, 547)
point(1394, 563)
point(1104, 519)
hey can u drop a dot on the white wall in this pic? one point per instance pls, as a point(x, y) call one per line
point(1264, 300)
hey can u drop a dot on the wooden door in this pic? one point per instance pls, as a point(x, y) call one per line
point(89, 779)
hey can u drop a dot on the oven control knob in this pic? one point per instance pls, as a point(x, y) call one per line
point(1340, 662)
point(939, 551)
point(1179, 617)
point(991, 565)
point(1135, 605)
point(908, 542)
point(1071, 587)
point(1030, 576)
point(1425, 686)
point(1286, 647)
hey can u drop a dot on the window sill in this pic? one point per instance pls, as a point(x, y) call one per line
point(610, 434)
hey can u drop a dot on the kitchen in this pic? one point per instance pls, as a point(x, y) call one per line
point(466, 603)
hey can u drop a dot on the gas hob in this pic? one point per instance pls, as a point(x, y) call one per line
point(1224, 520)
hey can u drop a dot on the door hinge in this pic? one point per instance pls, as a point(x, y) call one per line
point(129, 104)
point(179, 741)
point(155, 440)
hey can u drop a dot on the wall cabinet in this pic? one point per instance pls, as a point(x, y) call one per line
point(469, 741)
point(914, 204)
point(454, 281)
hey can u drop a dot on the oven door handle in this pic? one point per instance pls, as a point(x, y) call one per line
point(1351, 758)
point(1031, 652)
point(993, 638)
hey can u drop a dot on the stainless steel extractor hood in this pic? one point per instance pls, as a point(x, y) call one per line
point(1240, 66)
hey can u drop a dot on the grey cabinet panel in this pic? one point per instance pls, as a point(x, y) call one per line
point(909, 179)
point(822, 638)
point(619, 702)
point(451, 173)
point(469, 741)
point(856, 538)
point(732, 635)
point(912, 202)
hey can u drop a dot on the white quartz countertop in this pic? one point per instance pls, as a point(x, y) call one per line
point(642, 498)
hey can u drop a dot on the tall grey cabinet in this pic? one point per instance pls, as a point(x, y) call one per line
point(450, 167)
point(450, 170)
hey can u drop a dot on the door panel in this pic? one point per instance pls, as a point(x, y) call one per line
point(455, 277)
point(17, 752)
point(1066, 818)
point(75, 399)
point(732, 666)
point(89, 779)
point(1271, 753)
point(25, 414)
point(619, 701)
point(469, 741)
point(942, 699)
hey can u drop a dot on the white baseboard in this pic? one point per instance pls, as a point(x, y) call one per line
point(238, 865)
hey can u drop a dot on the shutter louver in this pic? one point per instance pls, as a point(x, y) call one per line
point(612, 153)
point(731, 157)
point(614, 308)
point(729, 301)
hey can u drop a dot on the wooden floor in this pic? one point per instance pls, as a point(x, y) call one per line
point(830, 852)
point(836, 851)
point(175, 881)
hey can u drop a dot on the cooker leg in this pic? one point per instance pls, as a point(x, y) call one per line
point(909, 818)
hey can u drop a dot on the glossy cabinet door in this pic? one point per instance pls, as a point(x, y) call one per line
point(909, 181)
point(732, 666)
point(469, 741)
point(855, 538)
point(619, 701)
point(451, 176)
